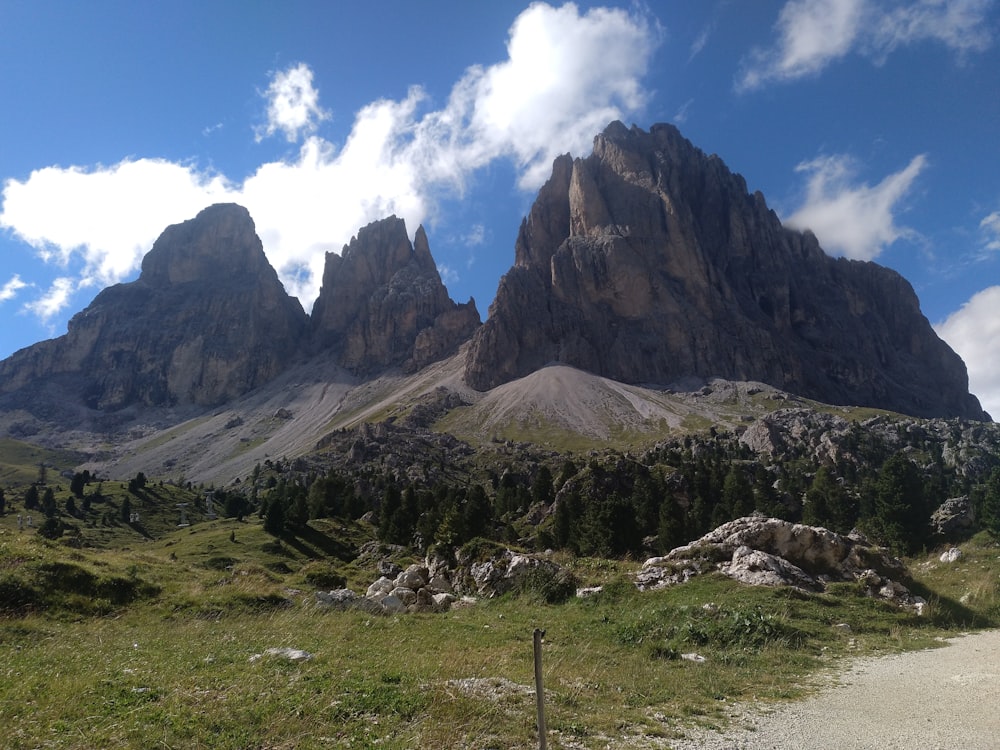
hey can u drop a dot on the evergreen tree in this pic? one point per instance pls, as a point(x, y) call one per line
point(274, 514)
point(541, 486)
point(477, 513)
point(126, 510)
point(829, 504)
point(670, 531)
point(900, 510)
point(71, 506)
point(77, 484)
point(989, 514)
point(49, 503)
point(3, 502)
point(737, 494)
point(31, 498)
point(388, 514)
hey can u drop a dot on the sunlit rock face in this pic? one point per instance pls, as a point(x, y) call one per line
point(648, 262)
point(206, 321)
point(382, 303)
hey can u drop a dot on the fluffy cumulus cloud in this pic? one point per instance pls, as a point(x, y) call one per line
point(53, 300)
point(293, 105)
point(974, 332)
point(566, 76)
point(104, 217)
point(812, 34)
point(11, 288)
point(850, 218)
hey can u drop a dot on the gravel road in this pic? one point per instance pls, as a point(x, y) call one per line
point(942, 699)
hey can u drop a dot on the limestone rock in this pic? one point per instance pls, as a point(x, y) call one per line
point(382, 303)
point(772, 552)
point(206, 321)
point(648, 262)
point(954, 519)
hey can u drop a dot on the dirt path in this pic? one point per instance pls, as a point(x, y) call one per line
point(942, 699)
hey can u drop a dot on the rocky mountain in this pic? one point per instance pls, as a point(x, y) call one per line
point(383, 304)
point(206, 321)
point(649, 261)
point(670, 298)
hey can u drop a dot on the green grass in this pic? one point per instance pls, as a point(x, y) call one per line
point(19, 461)
point(155, 646)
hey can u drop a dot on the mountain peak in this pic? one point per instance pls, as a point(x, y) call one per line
point(216, 244)
point(382, 303)
point(648, 262)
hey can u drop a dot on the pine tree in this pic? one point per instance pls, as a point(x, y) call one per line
point(49, 503)
point(274, 514)
point(900, 509)
point(989, 513)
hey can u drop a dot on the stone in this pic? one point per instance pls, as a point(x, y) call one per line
point(291, 654)
point(382, 586)
point(388, 569)
point(414, 577)
point(952, 555)
point(443, 601)
point(772, 552)
point(406, 595)
point(954, 519)
point(440, 584)
point(393, 605)
point(339, 598)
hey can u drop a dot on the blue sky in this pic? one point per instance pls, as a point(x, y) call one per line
point(873, 122)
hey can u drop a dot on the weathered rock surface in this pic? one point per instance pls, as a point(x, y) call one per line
point(383, 304)
point(772, 552)
point(649, 261)
point(206, 321)
point(954, 519)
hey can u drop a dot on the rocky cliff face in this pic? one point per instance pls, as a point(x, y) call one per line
point(649, 261)
point(382, 303)
point(206, 321)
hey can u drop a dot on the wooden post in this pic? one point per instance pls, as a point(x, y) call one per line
point(539, 691)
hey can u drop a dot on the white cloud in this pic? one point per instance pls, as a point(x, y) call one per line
point(566, 77)
point(682, 114)
point(974, 332)
point(958, 24)
point(855, 220)
point(990, 226)
point(476, 235)
point(812, 34)
point(293, 104)
point(11, 288)
point(54, 300)
point(107, 217)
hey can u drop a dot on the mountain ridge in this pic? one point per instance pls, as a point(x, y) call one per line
point(641, 270)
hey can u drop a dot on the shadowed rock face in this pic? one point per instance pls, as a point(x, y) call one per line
point(649, 261)
point(382, 303)
point(206, 321)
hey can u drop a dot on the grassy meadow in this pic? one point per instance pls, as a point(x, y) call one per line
point(160, 641)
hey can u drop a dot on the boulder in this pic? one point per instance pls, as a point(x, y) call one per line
point(772, 552)
point(954, 519)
